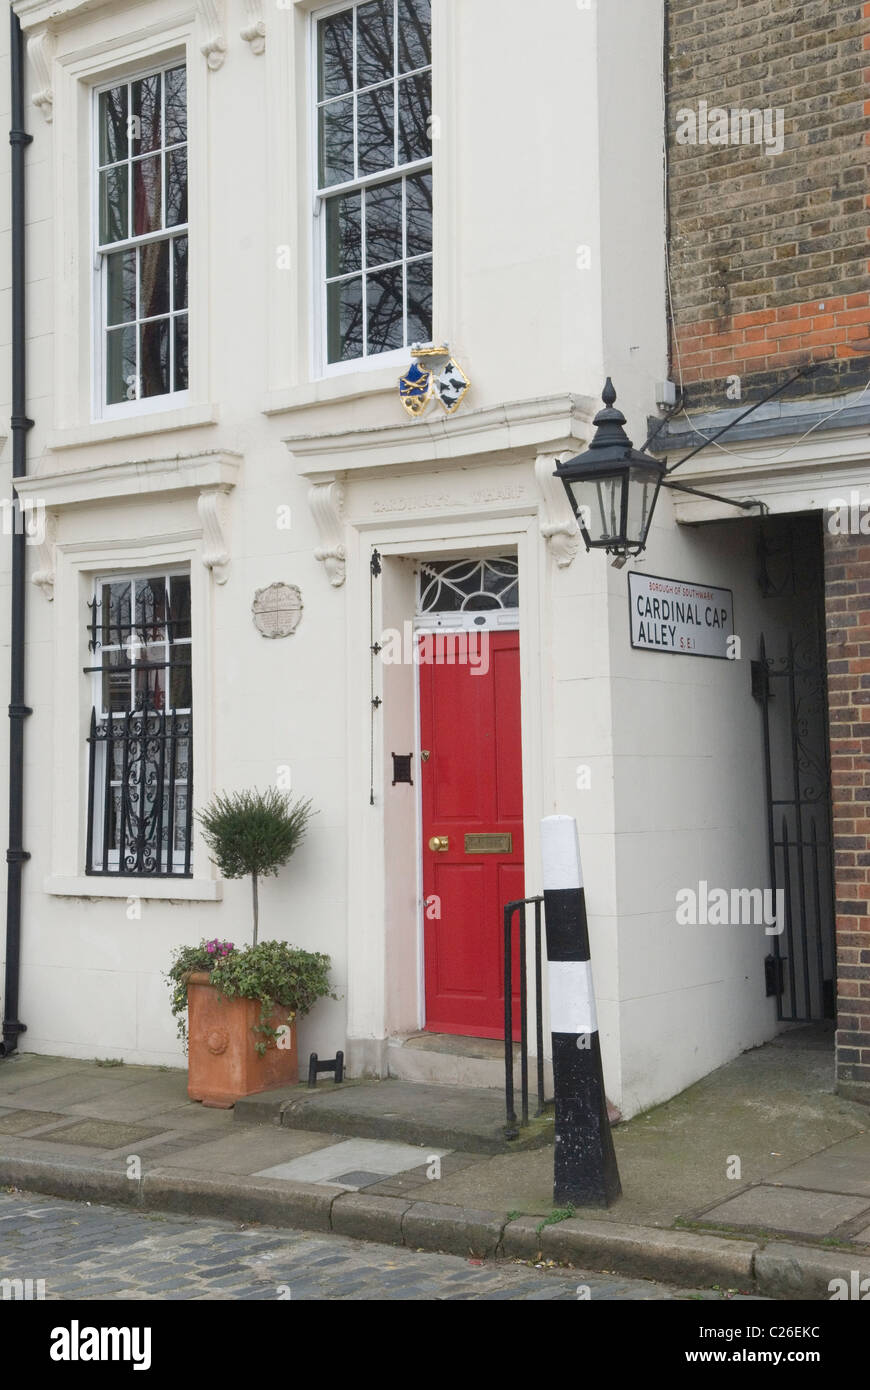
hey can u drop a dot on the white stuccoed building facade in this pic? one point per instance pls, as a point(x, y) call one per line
point(248, 431)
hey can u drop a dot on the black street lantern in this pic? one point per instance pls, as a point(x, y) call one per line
point(612, 487)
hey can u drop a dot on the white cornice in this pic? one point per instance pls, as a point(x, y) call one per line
point(791, 473)
point(119, 480)
point(517, 427)
point(34, 12)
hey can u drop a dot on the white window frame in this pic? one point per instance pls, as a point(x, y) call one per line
point(132, 577)
point(171, 400)
point(322, 368)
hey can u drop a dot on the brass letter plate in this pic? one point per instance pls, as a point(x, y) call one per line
point(489, 844)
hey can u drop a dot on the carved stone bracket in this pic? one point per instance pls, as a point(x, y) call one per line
point(326, 501)
point(40, 51)
point(212, 507)
point(557, 523)
point(254, 32)
point(41, 529)
point(215, 46)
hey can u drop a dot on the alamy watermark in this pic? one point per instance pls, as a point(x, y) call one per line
point(738, 125)
point(735, 907)
point(25, 518)
point(407, 648)
point(22, 1290)
point(849, 518)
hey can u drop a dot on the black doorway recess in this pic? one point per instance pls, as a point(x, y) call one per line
point(789, 680)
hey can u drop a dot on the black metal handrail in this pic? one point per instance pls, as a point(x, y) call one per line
point(511, 1129)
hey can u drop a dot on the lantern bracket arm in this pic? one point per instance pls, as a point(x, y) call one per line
point(746, 505)
point(709, 439)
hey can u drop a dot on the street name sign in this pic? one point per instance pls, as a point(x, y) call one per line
point(673, 615)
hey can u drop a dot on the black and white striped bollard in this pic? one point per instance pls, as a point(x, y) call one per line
point(585, 1171)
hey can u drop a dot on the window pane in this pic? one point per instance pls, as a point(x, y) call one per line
point(121, 365)
point(415, 104)
point(374, 124)
point(114, 614)
point(419, 275)
point(384, 223)
point(180, 689)
point(116, 682)
point(121, 287)
point(176, 188)
point(151, 607)
point(384, 295)
point(154, 357)
point(374, 43)
point(343, 234)
point(344, 320)
point(181, 836)
point(151, 676)
point(336, 142)
point(154, 279)
point(179, 262)
point(418, 214)
point(145, 125)
point(175, 102)
point(179, 606)
point(113, 125)
point(415, 28)
point(113, 205)
point(181, 366)
point(146, 196)
point(335, 54)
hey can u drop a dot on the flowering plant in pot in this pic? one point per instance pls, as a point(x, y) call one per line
point(242, 1003)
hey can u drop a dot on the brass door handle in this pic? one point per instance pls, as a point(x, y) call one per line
point(439, 843)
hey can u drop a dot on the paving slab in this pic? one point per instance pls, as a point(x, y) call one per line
point(329, 1164)
point(787, 1209)
point(62, 1092)
point(140, 1100)
point(99, 1134)
point(24, 1069)
point(194, 1118)
point(249, 1152)
point(23, 1121)
point(842, 1168)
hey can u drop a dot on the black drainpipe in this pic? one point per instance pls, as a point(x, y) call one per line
point(18, 711)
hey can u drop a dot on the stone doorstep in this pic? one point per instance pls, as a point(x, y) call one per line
point(777, 1270)
point(449, 1117)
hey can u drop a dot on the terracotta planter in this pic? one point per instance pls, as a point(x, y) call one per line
point(223, 1063)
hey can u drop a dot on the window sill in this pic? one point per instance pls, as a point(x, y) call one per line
point(132, 426)
point(326, 390)
point(200, 890)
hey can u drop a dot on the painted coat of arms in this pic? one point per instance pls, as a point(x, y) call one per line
point(434, 372)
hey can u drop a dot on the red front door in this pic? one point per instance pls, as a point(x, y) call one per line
point(472, 786)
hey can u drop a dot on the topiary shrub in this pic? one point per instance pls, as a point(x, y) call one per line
point(253, 833)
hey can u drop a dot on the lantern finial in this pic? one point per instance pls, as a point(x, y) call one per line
point(608, 395)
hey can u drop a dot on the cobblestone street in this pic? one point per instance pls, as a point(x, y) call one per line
point(93, 1252)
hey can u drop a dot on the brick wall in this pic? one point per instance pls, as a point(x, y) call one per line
point(847, 605)
point(769, 253)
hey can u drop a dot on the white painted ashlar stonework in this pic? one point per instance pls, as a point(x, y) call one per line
point(549, 275)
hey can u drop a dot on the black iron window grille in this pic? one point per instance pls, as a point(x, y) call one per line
point(140, 743)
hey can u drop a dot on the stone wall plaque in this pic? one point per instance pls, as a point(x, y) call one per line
point(277, 609)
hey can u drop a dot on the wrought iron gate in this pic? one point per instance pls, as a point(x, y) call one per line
point(792, 691)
